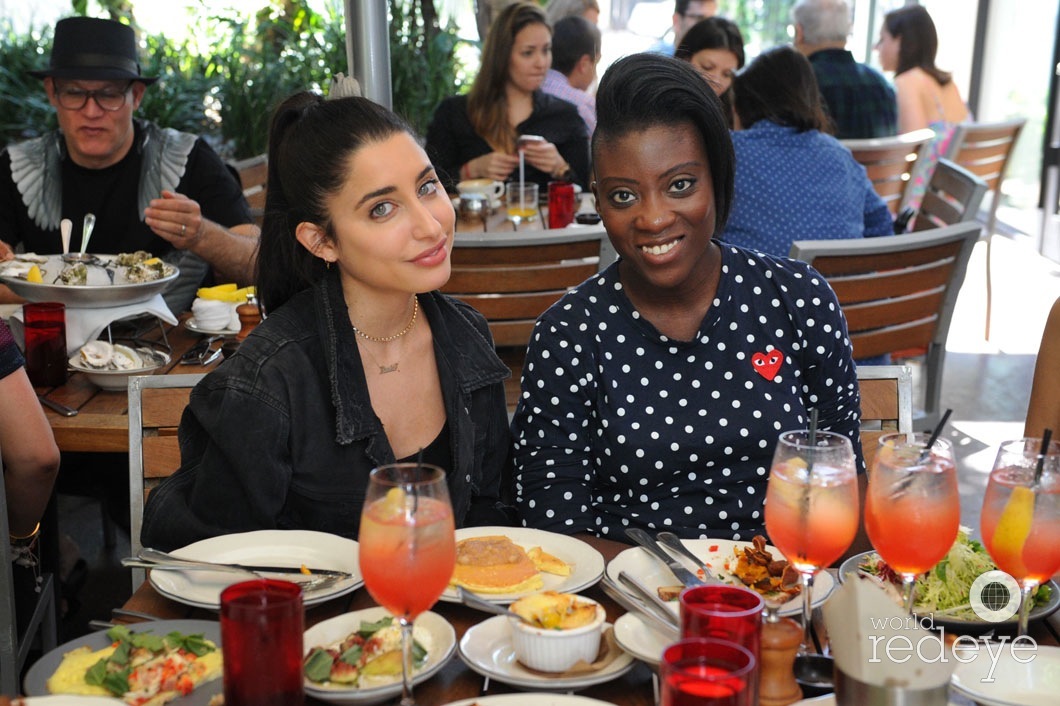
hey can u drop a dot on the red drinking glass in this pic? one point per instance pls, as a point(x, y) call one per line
point(727, 613)
point(261, 640)
point(560, 204)
point(705, 671)
point(44, 324)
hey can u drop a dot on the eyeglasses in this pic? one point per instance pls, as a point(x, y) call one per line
point(109, 98)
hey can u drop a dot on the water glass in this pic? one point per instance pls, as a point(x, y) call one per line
point(261, 640)
point(560, 204)
point(44, 324)
point(705, 671)
point(725, 612)
point(521, 202)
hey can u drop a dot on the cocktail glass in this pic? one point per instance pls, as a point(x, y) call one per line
point(912, 507)
point(1020, 521)
point(812, 506)
point(407, 546)
point(521, 202)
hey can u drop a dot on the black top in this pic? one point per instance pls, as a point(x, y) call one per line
point(452, 141)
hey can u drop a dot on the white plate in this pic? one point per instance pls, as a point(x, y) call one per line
point(487, 649)
point(63, 700)
point(540, 699)
point(202, 589)
point(587, 564)
point(1016, 682)
point(36, 681)
point(442, 638)
point(634, 636)
point(195, 328)
point(829, 700)
point(117, 380)
point(651, 572)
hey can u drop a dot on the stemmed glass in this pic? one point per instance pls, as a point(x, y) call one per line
point(812, 505)
point(407, 546)
point(912, 507)
point(1020, 522)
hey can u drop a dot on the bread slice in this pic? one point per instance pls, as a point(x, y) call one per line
point(548, 563)
point(494, 564)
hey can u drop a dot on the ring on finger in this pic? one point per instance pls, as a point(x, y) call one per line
point(183, 229)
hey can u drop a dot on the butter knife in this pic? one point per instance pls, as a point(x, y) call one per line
point(162, 560)
point(678, 569)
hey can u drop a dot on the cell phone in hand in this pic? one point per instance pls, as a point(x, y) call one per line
point(524, 140)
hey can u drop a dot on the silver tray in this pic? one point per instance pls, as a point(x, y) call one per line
point(89, 296)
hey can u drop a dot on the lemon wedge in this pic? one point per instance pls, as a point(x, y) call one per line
point(1013, 528)
point(34, 275)
point(225, 293)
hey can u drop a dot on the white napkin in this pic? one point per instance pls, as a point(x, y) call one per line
point(876, 642)
point(84, 324)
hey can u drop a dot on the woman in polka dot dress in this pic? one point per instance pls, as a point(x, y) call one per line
point(653, 393)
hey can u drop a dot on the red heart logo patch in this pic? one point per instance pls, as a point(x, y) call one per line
point(767, 364)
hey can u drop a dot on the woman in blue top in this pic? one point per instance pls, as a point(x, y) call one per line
point(794, 181)
point(653, 394)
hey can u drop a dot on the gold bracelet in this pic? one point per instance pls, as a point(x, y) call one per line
point(26, 539)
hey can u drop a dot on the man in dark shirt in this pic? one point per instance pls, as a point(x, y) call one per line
point(150, 188)
point(859, 100)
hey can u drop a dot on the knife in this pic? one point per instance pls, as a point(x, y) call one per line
point(648, 542)
point(162, 560)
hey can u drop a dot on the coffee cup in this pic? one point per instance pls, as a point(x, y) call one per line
point(491, 190)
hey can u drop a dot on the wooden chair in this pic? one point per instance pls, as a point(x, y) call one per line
point(156, 403)
point(898, 292)
point(984, 149)
point(513, 279)
point(953, 196)
point(15, 646)
point(253, 175)
point(886, 404)
point(889, 162)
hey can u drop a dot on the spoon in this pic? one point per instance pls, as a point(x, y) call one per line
point(472, 601)
point(66, 226)
point(86, 233)
point(671, 540)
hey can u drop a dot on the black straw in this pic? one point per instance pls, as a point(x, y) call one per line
point(1047, 436)
point(934, 436)
point(813, 440)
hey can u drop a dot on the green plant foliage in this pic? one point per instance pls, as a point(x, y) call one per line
point(24, 108)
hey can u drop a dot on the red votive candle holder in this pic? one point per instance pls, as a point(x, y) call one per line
point(560, 204)
point(704, 671)
point(44, 326)
point(261, 639)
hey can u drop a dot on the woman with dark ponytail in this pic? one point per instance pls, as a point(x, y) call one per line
point(361, 360)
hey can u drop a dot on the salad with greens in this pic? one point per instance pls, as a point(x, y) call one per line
point(943, 591)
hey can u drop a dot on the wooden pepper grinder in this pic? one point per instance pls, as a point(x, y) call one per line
point(249, 316)
point(780, 644)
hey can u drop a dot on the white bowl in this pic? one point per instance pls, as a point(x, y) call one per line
point(117, 380)
point(1030, 677)
point(552, 650)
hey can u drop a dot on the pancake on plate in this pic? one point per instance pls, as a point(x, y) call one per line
point(496, 564)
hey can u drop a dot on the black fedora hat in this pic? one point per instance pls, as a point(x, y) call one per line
point(93, 50)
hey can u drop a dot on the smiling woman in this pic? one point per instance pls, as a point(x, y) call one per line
point(643, 403)
point(361, 361)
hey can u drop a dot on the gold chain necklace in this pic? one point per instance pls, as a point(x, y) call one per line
point(399, 334)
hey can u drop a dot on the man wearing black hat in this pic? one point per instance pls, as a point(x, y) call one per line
point(150, 188)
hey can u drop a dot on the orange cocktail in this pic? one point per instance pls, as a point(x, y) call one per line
point(407, 566)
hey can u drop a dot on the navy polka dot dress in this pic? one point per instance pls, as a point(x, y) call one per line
point(620, 426)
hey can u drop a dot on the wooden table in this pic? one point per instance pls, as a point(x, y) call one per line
point(102, 422)
point(455, 681)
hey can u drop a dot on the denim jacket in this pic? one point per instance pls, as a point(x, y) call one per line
point(283, 435)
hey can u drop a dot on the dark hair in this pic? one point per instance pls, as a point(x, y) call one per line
point(487, 101)
point(919, 41)
point(573, 38)
point(311, 141)
point(780, 86)
point(641, 91)
point(712, 33)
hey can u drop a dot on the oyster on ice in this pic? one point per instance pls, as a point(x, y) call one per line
point(76, 274)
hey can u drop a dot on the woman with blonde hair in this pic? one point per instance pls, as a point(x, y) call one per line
point(478, 135)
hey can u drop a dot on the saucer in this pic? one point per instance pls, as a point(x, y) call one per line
point(634, 636)
point(487, 649)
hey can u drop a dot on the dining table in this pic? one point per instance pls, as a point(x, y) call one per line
point(456, 681)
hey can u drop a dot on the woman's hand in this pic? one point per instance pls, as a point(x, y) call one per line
point(495, 165)
point(545, 157)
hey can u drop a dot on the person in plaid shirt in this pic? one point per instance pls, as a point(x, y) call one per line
point(575, 53)
point(859, 100)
